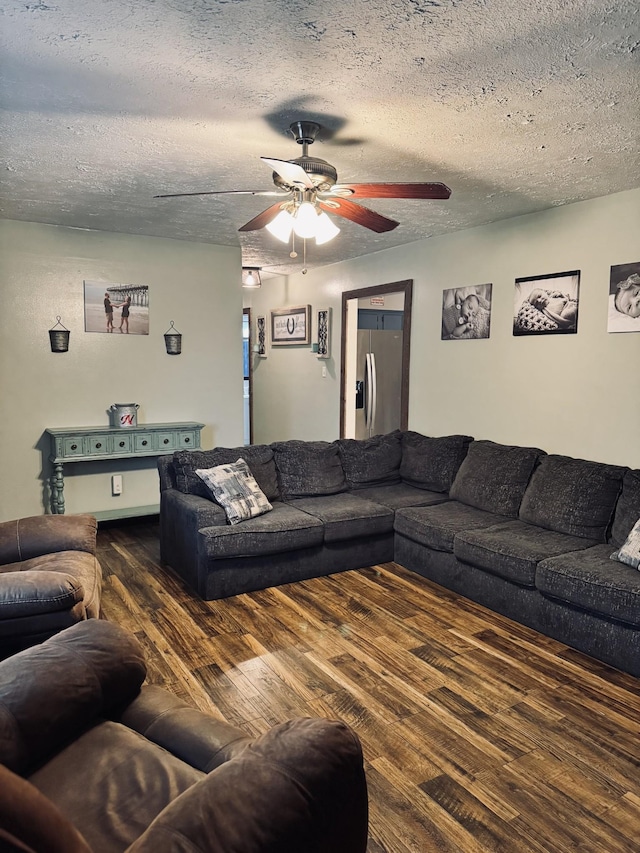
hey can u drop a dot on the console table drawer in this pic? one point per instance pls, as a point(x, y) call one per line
point(122, 443)
point(98, 445)
point(167, 441)
point(143, 441)
point(189, 439)
point(72, 447)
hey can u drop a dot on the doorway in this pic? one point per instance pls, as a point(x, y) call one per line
point(247, 392)
point(384, 311)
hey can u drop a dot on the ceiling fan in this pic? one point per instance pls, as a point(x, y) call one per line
point(307, 190)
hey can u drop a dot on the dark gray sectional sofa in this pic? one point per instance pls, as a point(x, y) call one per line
point(525, 533)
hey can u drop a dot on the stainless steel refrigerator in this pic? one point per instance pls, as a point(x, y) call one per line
point(379, 381)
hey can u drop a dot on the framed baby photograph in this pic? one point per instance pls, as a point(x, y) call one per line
point(466, 313)
point(624, 298)
point(547, 304)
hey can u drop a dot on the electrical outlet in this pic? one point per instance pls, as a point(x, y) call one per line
point(116, 484)
point(324, 371)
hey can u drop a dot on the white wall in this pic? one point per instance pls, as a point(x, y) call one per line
point(42, 269)
point(573, 394)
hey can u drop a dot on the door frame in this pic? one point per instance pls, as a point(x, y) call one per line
point(405, 287)
point(246, 312)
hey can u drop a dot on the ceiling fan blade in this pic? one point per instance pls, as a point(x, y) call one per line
point(224, 192)
point(292, 173)
point(432, 190)
point(360, 215)
point(262, 219)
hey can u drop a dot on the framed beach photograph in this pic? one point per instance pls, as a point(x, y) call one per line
point(121, 309)
point(547, 304)
point(624, 298)
point(291, 326)
point(466, 313)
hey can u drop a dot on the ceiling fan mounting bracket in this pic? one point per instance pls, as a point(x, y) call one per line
point(305, 132)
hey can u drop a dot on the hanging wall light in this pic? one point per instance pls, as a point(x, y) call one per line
point(251, 277)
point(59, 337)
point(173, 340)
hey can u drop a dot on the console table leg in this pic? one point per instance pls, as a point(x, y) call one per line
point(57, 490)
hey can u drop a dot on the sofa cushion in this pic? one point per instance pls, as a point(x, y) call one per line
point(399, 495)
point(493, 477)
point(347, 516)
point(28, 818)
point(436, 526)
point(627, 509)
point(371, 461)
point(432, 463)
point(573, 496)
point(308, 468)
point(259, 458)
point(512, 550)
point(115, 783)
point(236, 490)
point(591, 581)
point(283, 529)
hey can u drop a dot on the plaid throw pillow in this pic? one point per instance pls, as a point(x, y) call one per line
point(234, 487)
point(630, 551)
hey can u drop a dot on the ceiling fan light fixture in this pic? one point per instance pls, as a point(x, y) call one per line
point(306, 219)
point(251, 277)
point(325, 229)
point(282, 226)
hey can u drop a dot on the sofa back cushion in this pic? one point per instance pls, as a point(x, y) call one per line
point(432, 463)
point(308, 468)
point(259, 458)
point(627, 509)
point(573, 496)
point(371, 461)
point(493, 477)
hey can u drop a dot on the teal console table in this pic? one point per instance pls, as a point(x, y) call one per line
point(97, 444)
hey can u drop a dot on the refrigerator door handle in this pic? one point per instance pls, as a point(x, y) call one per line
point(367, 390)
point(374, 395)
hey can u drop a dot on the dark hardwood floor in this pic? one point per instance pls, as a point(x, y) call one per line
point(478, 734)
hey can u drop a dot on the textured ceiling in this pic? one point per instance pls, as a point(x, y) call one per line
point(517, 106)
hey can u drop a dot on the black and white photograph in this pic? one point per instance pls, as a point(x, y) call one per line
point(624, 298)
point(547, 304)
point(121, 309)
point(466, 313)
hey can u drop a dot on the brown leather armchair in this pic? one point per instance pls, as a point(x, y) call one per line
point(49, 577)
point(95, 762)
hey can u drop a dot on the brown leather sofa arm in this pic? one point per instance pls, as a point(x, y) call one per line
point(36, 535)
point(34, 593)
point(51, 692)
point(197, 738)
point(299, 787)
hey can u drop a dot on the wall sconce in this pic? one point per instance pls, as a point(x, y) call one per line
point(59, 337)
point(251, 277)
point(173, 340)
